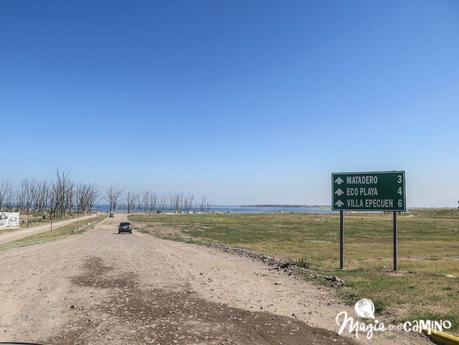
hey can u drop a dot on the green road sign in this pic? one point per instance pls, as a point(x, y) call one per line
point(369, 191)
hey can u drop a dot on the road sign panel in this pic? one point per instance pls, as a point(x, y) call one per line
point(369, 191)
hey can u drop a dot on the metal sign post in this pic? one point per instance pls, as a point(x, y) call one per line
point(395, 240)
point(341, 240)
point(368, 191)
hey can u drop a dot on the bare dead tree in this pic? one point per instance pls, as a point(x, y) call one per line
point(188, 202)
point(177, 202)
point(145, 201)
point(112, 196)
point(57, 197)
point(163, 202)
point(137, 203)
point(152, 202)
point(80, 197)
point(58, 205)
point(5, 195)
point(52, 201)
point(131, 202)
point(92, 196)
point(203, 204)
point(27, 194)
point(85, 197)
point(62, 196)
point(69, 196)
point(41, 196)
point(148, 201)
point(62, 191)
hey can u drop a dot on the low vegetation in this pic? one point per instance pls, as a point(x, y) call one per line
point(35, 219)
point(74, 228)
point(427, 284)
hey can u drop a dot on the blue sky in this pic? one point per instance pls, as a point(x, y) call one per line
point(245, 101)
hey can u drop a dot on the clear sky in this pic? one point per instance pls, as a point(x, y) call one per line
point(245, 101)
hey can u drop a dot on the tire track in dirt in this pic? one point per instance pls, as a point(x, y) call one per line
point(155, 316)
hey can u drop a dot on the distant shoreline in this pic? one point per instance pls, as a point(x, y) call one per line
point(287, 206)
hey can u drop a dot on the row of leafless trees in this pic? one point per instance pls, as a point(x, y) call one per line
point(62, 196)
point(149, 202)
point(58, 197)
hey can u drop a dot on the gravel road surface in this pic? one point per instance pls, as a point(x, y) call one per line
point(102, 287)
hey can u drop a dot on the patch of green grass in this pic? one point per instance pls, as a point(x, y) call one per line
point(36, 219)
point(428, 280)
point(437, 317)
point(141, 229)
point(302, 261)
point(60, 232)
point(4, 230)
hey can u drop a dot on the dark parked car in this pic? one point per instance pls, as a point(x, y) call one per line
point(125, 227)
point(111, 215)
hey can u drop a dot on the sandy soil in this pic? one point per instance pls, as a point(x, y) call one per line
point(104, 288)
point(23, 233)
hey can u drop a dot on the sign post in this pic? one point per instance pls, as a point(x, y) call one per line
point(369, 191)
point(395, 240)
point(341, 239)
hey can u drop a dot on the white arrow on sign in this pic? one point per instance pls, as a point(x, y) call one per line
point(339, 203)
point(339, 180)
point(339, 192)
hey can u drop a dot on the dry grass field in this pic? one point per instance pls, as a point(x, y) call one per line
point(426, 286)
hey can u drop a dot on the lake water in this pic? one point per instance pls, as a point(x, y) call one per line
point(242, 209)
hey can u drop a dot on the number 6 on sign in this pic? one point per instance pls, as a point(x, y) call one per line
point(400, 202)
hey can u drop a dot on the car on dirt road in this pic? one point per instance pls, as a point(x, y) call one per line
point(125, 227)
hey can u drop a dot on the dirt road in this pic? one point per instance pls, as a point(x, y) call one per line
point(23, 233)
point(106, 288)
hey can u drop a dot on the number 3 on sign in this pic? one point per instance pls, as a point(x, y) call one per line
point(400, 179)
